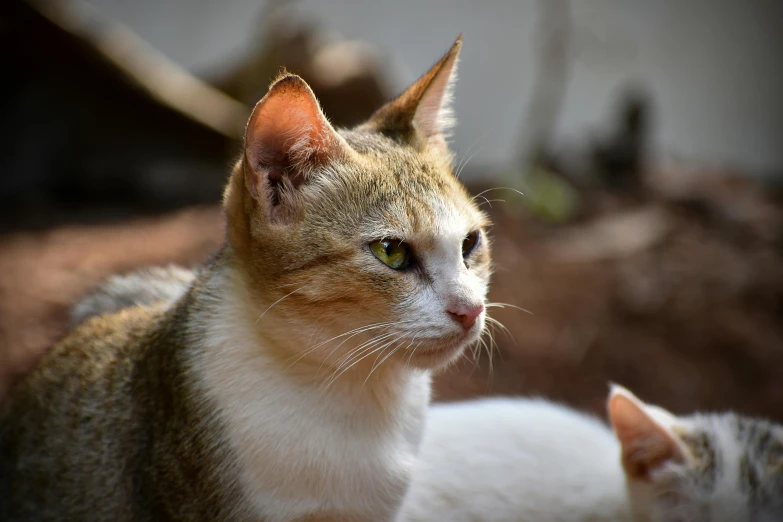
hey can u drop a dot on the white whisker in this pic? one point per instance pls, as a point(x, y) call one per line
point(354, 363)
point(276, 302)
point(497, 188)
point(506, 305)
point(350, 333)
point(464, 164)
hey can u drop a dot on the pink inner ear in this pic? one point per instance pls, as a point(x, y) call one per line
point(286, 139)
point(287, 128)
point(646, 444)
point(424, 107)
point(434, 115)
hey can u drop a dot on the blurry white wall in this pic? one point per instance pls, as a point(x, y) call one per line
point(714, 68)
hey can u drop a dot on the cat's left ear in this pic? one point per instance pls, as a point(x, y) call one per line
point(645, 433)
point(422, 114)
point(287, 140)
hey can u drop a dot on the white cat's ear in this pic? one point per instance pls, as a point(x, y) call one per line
point(645, 433)
point(286, 140)
point(423, 113)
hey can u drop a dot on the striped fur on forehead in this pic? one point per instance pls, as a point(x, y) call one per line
point(698, 468)
point(761, 463)
point(732, 455)
point(392, 190)
point(710, 435)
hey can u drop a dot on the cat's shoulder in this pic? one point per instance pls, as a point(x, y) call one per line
point(103, 348)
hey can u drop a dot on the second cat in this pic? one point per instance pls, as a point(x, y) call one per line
point(531, 460)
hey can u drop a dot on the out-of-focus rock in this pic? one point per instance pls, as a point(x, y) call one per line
point(96, 125)
point(346, 76)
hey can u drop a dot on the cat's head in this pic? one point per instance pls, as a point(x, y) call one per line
point(362, 236)
point(698, 468)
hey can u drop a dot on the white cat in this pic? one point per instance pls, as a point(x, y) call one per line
point(526, 460)
point(717, 467)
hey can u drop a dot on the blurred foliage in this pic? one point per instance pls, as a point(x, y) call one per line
point(550, 197)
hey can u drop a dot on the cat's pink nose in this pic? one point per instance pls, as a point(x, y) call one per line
point(466, 314)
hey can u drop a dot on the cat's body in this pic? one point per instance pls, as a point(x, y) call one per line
point(290, 380)
point(516, 460)
point(135, 422)
point(352, 445)
point(170, 414)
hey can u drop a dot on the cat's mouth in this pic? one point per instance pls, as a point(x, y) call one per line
point(441, 350)
point(436, 356)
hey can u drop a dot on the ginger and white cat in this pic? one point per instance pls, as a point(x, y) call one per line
point(291, 377)
point(530, 460)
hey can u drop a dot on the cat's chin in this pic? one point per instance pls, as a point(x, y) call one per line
point(440, 353)
point(435, 360)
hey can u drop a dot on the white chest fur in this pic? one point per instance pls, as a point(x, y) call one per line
point(302, 451)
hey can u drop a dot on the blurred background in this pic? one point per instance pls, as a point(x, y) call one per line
point(647, 139)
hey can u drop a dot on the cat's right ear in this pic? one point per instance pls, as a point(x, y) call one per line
point(645, 433)
point(422, 115)
point(287, 140)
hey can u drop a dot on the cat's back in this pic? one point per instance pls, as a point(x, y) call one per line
point(516, 459)
point(536, 431)
point(70, 430)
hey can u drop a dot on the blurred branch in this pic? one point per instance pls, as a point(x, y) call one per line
point(97, 125)
point(161, 78)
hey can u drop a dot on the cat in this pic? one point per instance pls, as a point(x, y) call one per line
point(705, 467)
point(291, 379)
point(528, 460)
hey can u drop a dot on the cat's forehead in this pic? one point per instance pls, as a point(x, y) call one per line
point(408, 192)
point(735, 455)
point(758, 438)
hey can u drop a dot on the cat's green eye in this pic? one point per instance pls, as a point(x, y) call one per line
point(394, 254)
point(470, 243)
